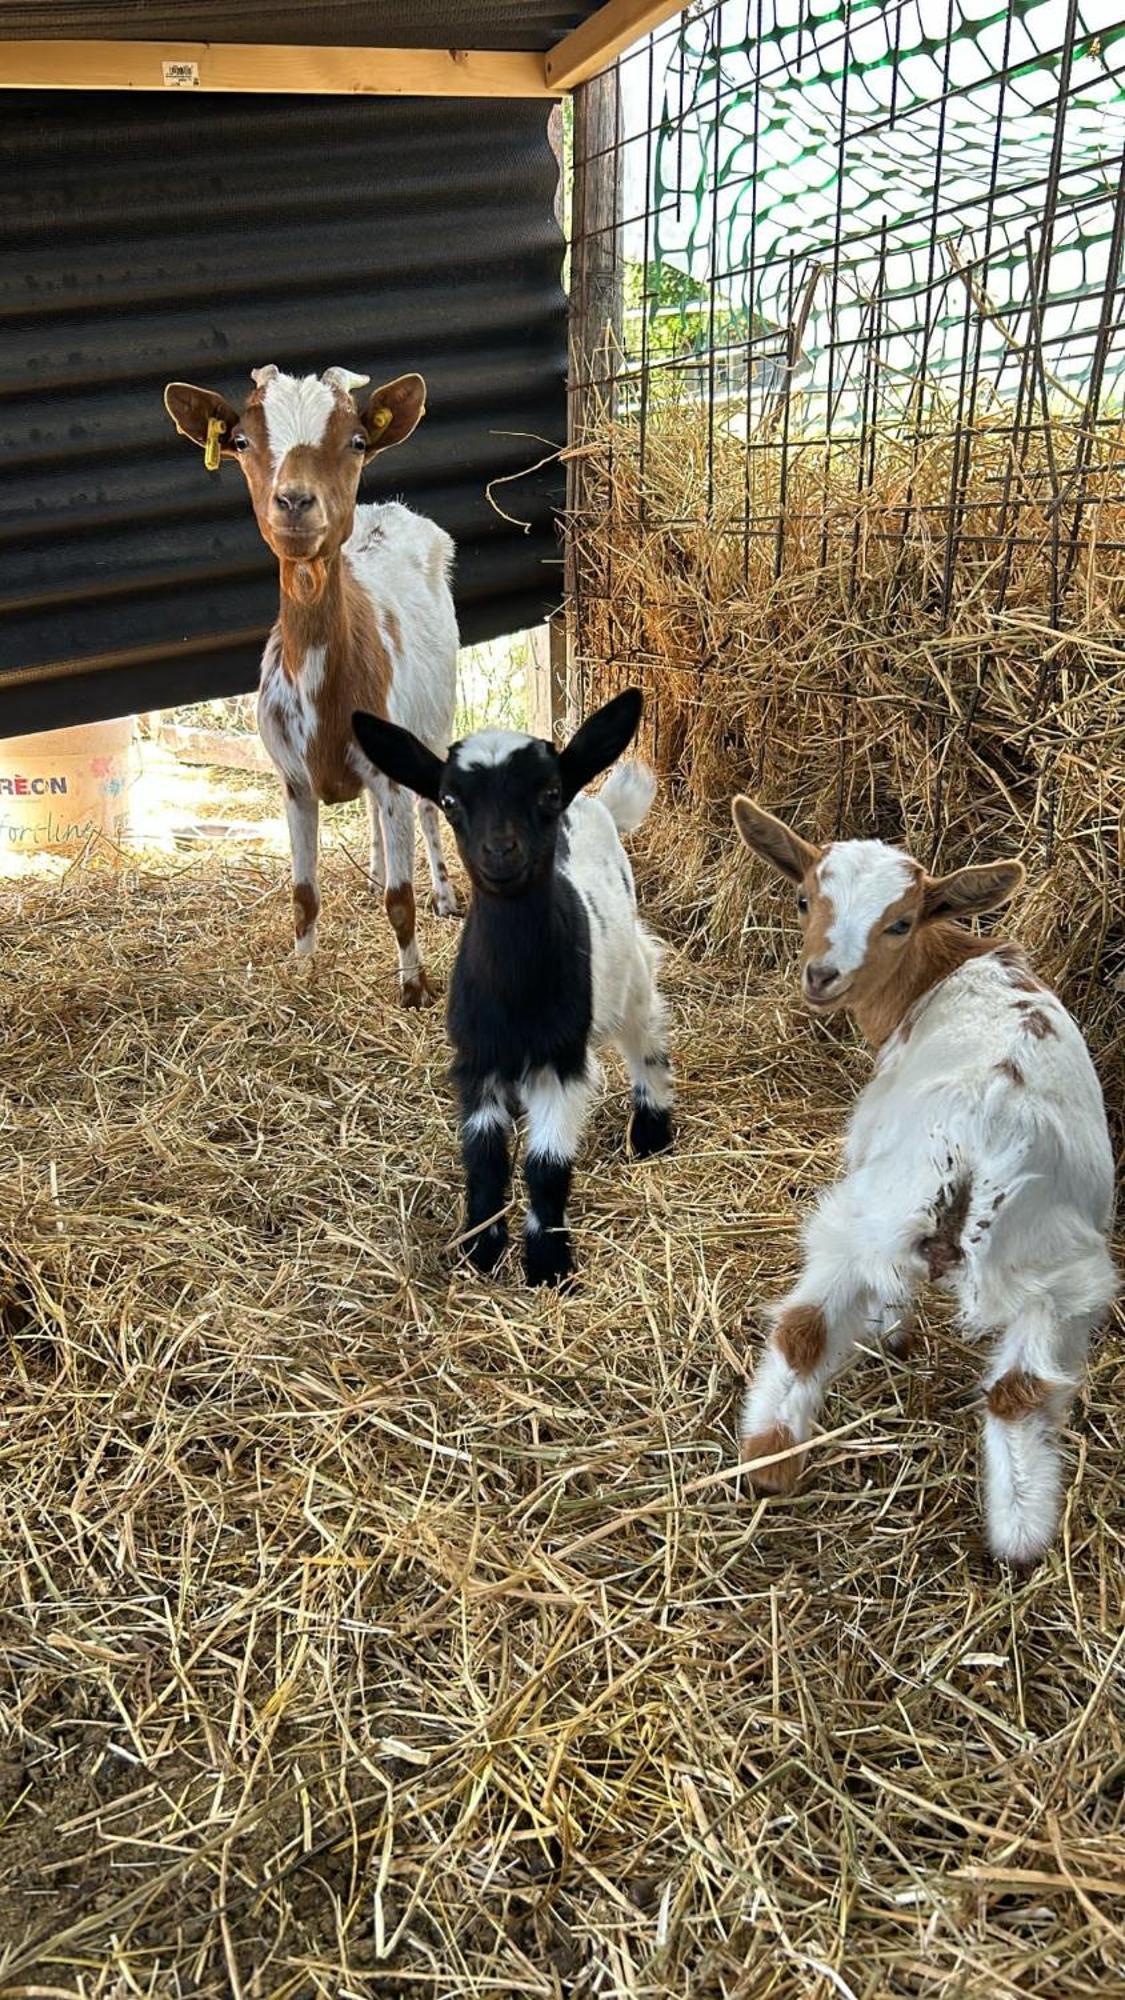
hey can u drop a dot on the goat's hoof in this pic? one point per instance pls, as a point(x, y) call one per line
point(779, 1478)
point(304, 947)
point(548, 1258)
point(906, 1343)
point(650, 1131)
point(485, 1249)
point(443, 901)
point(419, 991)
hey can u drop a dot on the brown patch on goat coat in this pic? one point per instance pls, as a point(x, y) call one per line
point(399, 900)
point(357, 674)
point(942, 1249)
point(801, 1336)
point(1035, 1022)
point(419, 990)
point(1011, 1070)
point(780, 1478)
point(1017, 970)
point(306, 908)
point(1017, 1395)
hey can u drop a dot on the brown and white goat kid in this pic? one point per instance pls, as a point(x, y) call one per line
point(366, 619)
point(976, 1156)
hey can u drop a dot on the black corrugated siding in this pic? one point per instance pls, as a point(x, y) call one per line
point(144, 239)
point(424, 24)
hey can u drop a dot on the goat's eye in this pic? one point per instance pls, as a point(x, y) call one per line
point(899, 928)
point(449, 804)
point(803, 905)
point(359, 442)
point(240, 441)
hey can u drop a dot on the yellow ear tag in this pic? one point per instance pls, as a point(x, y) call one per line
point(215, 430)
point(379, 419)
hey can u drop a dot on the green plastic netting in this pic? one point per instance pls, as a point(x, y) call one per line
point(952, 168)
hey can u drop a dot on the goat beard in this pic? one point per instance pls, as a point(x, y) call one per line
point(304, 579)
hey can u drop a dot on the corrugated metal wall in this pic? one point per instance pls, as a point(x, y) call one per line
point(144, 238)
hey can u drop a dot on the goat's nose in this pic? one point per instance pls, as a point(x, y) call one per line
point(818, 978)
point(502, 845)
point(294, 499)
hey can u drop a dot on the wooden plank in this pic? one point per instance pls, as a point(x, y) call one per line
point(257, 67)
point(594, 45)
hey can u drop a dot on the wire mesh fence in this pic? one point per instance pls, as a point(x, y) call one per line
point(847, 303)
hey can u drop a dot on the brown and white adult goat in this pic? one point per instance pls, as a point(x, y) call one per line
point(977, 1156)
point(366, 619)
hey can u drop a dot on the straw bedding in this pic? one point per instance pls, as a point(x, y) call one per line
point(882, 664)
point(368, 1629)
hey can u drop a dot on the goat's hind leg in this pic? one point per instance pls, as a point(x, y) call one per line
point(643, 1042)
point(1036, 1367)
point(845, 1291)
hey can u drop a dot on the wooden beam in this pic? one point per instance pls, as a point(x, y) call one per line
point(594, 45)
point(251, 66)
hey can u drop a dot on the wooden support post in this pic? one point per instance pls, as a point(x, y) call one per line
point(597, 277)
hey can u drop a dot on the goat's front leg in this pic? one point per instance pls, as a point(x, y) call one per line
point(303, 814)
point(396, 810)
point(486, 1132)
point(445, 895)
point(556, 1113)
point(377, 864)
point(857, 1266)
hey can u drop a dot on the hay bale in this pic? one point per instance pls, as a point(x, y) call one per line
point(821, 630)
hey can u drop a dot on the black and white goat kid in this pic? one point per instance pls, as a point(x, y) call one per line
point(554, 960)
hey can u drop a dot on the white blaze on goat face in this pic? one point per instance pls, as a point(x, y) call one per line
point(487, 748)
point(297, 412)
point(858, 880)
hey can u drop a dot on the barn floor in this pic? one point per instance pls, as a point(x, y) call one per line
point(369, 1629)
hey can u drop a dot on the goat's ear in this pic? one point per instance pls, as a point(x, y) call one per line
point(192, 409)
point(600, 741)
point(771, 840)
point(398, 754)
point(392, 412)
point(969, 892)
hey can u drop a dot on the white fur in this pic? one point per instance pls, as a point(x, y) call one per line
point(296, 411)
point(627, 794)
point(556, 1111)
point(628, 1009)
point(861, 879)
point(485, 749)
point(1035, 1270)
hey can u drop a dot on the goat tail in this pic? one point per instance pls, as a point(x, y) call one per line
point(627, 794)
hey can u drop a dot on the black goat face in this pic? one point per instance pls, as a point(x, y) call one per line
point(503, 796)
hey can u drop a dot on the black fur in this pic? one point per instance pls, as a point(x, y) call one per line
point(650, 1129)
point(486, 1159)
point(547, 1254)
